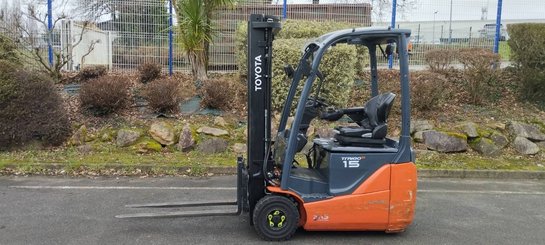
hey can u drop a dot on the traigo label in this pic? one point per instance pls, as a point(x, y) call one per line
point(351, 162)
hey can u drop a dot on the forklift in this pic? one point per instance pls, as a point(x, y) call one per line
point(359, 180)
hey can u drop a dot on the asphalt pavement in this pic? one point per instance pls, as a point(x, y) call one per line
point(55, 210)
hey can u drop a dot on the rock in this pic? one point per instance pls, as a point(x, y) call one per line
point(419, 136)
point(525, 146)
point(212, 131)
point(325, 133)
point(106, 137)
point(163, 132)
point(149, 145)
point(85, 149)
point(443, 142)
point(470, 129)
point(524, 130)
point(78, 138)
point(420, 125)
point(219, 121)
point(90, 137)
point(186, 142)
point(497, 126)
point(211, 146)
point(499, 140)
point(240, 148)
point(126, 137)
point(541, 145)
point(486, 147)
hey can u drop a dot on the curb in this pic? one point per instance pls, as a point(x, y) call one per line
point(422, 173)
point(480, 174)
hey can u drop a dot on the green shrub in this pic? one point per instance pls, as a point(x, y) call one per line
point(297, 29)
point(533, 83)
point(8, 50)
point(149, 72)
point(339, 66)
point(163, 95)
point(105, 95)
point(527, 43)
point(30, 109)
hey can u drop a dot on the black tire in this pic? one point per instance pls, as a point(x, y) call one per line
point(276, 218)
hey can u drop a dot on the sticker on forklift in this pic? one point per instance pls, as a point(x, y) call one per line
point(320, 217)
point(351, 162)
point(257, 71)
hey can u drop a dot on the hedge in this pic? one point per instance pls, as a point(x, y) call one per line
point(30, 108)
point(527, 43)
point(340, 65)
point(8, 50)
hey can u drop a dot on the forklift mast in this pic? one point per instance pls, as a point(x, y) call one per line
point(261, 31)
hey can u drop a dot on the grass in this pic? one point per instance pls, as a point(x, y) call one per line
point(119, 157)
point(129, 162)
point(472, 161)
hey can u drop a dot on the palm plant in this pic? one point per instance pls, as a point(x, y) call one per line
point(196, 31)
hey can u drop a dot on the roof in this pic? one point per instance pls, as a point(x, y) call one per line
point(376, 34)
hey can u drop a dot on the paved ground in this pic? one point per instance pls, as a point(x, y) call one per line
point(39, 210)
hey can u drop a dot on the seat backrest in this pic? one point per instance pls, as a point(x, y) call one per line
point(377, 109)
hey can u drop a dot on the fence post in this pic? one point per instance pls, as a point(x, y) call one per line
point(394, 10)
point(285, 9)
point(418, 34)
point(50, 31)
point(170, 39)
point(498, 29)
point(469, 40)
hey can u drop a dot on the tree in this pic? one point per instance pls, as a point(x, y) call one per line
point(29, 29)
point(196, 30)
point(383, 7)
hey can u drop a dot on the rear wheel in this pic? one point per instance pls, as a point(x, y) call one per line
point(275, 218)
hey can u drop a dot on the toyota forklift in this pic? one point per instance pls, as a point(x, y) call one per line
point(359, 180)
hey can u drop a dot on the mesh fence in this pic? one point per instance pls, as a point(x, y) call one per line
point(127, 33)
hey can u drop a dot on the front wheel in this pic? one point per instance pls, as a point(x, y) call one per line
point(276, 218)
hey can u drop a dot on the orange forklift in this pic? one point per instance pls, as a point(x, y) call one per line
point(359, 180)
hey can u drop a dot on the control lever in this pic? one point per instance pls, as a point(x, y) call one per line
point(332, 115)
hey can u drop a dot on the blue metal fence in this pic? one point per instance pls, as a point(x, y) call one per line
point(435, 24)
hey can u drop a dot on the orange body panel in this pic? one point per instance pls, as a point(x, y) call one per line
point(385, 201)
point(350, 212)
point(403, 196)
point(379, 181)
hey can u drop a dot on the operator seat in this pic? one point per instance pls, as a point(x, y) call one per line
point(373, 128)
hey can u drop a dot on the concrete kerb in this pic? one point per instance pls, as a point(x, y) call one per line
point(426, 173)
